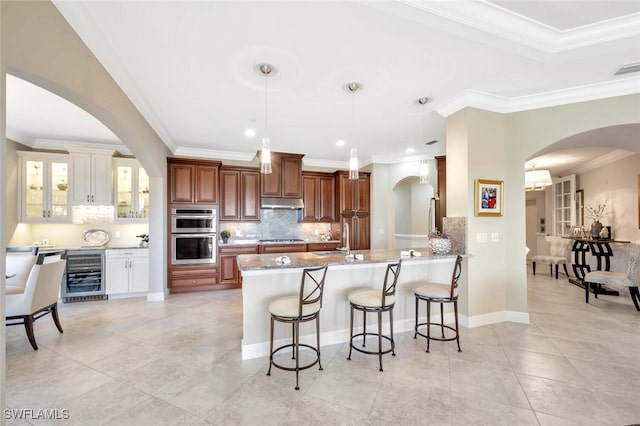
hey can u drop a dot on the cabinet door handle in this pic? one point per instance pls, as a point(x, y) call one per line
point(92, 198)
point(49, 213)
point(44, 213)
point(87, 198)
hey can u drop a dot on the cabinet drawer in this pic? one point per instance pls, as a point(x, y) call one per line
point(283, 248)
point(194, 281)
point(237, 250)
point(189, 273)
point(322, 246)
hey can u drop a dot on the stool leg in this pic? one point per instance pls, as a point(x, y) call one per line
point(442, 319)
point(393, 343)
point(364, 329)
point(551, 270)
point(428, 323)
point(293, 343)
point(534, 267)
point(318, 339)
point(380, 339)
point(556, 272)
point(455, 309)
point(270, 348)
point(296, 347)
point(350, 333)
point(416, 326)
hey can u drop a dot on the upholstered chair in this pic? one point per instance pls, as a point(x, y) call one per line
point(19, 261)
point(630, 279)
point(558, 247)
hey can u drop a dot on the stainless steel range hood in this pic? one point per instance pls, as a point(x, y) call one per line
point(281, 203)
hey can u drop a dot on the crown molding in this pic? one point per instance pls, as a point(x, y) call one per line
point(61, 145)
point(496, 20)
point(487, 101)
point(601, 161)
point(214, 154)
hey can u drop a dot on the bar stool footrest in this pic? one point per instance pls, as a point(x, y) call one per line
point(440, 339)
point(377, 352)
point(300, 367)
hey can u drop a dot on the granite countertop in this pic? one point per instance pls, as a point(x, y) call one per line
point(252, 262)
point(107, 247)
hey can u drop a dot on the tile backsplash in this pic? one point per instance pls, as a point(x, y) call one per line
point(276, 223)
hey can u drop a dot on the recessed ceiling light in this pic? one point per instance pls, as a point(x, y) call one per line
point(249, 133)
point(339, 142)
point(410, 151)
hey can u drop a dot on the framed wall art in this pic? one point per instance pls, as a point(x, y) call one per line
point(488, 197)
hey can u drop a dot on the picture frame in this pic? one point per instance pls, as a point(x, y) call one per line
point(576, 231)
point(489, 197)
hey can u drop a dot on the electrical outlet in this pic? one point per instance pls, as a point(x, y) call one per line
point(482, 237)
point(116, 234)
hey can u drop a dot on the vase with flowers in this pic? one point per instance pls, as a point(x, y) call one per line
point(596, 211)
point(439, 242)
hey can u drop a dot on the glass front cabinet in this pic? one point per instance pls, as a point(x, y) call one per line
point(131, 191)
point(44, 187)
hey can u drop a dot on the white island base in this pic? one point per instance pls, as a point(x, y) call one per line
point(264, 283)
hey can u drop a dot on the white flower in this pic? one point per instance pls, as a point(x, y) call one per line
point(596, 210)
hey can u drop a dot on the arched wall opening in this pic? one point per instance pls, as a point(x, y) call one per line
point(413, 212)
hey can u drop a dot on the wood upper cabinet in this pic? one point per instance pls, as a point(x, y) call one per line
point(285, 180)
point(239, 194)
point(353, 199)
point(193, 181)
point(319, 197)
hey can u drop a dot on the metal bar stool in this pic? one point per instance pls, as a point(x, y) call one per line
point(296, 309)
point(439, 293)
point(373, 300)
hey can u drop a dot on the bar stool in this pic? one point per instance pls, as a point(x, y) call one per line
point(296, 309)
point(439, 293)
point(374, 300)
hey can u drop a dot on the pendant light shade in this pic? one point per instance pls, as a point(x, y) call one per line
point(265, 156)
point(353, 164)
point(537, 180)
point(423, 171)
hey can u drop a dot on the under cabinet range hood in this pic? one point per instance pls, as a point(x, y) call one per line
point(281, 203)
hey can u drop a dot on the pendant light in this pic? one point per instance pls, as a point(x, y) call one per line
point(423, 169)
point(536, 180)
point(353, 155)
point(265, 156)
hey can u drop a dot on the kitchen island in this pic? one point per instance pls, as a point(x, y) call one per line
point(265, 279)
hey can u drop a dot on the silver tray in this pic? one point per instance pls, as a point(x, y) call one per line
point(96, 237)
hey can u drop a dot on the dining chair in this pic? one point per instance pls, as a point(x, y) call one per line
point(630, 279)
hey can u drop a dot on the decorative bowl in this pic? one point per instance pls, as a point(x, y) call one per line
point(439, 245)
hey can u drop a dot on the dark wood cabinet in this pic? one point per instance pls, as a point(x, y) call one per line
point(228, 273)
point(281, 248)
point(239, 194)
point(326, 246)
point(192, 278)
point(285, 180)
point(353, 208)
point(319, 197)
point(193, 181)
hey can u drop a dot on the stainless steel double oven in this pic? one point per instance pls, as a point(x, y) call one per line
point(194, 236)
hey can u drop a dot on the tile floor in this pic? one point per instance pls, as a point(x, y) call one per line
point(126, 362)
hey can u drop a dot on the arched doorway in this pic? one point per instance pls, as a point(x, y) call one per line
point(413, 212)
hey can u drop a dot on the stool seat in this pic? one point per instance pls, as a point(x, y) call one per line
point(375, 301)
point(370, 298)
point(434, 291)
point(290, 307)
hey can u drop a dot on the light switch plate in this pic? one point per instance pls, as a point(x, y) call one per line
point(482, 237)
point(495, 237)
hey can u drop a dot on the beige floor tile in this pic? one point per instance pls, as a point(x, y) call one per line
point(469, 411)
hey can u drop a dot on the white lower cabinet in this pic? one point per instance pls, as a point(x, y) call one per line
point(127, 271)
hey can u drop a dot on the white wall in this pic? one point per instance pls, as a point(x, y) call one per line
point(618, 183)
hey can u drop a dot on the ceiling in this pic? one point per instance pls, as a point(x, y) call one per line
point(189, 67)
